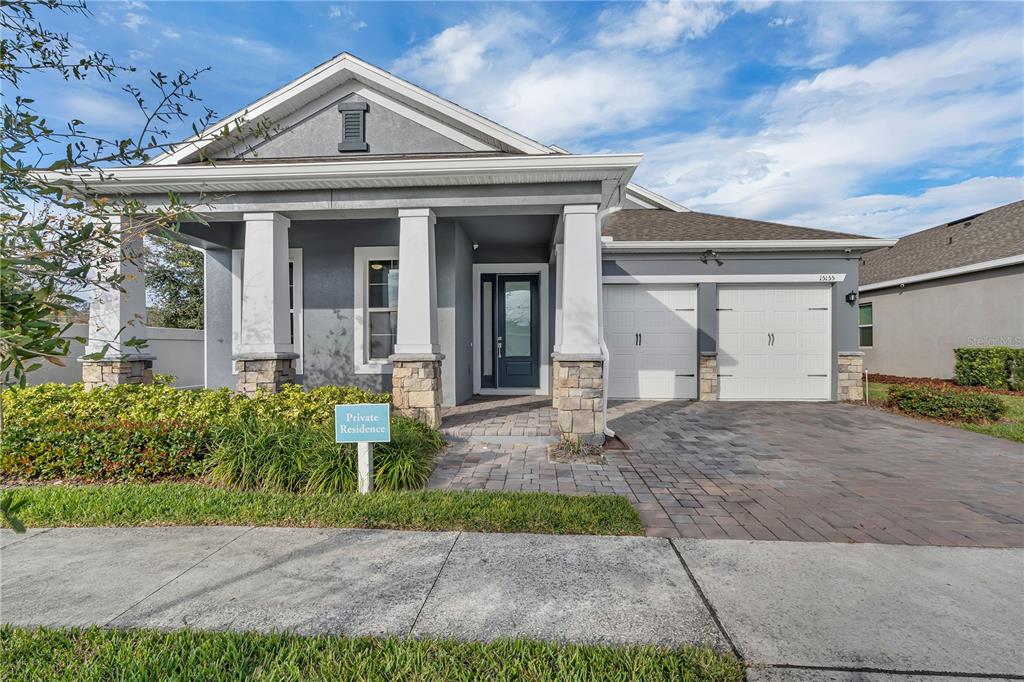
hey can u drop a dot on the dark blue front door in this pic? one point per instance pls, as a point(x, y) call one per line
point(517, 331)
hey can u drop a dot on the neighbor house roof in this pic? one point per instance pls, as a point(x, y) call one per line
point(637, 225)
point(989, 239)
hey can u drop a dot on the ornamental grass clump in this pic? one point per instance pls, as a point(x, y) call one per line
point(947, 404)
point(282, 455)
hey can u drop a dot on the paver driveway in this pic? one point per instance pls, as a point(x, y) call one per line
point(781, 471)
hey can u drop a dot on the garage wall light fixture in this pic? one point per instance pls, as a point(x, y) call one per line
point(710, 254)
point(851, 297)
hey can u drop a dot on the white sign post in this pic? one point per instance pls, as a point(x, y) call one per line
point(365, 467)
point(363, 425)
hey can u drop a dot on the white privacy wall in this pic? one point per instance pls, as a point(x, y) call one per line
point(178, 352)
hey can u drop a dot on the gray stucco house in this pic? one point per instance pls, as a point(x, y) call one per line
point(955, 285)
point(385, 237)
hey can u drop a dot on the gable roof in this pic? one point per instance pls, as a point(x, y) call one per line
point(333, 73)
point(639, 225)
point(994, 235)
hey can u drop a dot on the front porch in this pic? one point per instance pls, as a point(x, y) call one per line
point(500, 420)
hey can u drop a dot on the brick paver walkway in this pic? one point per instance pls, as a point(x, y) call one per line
point(529, 417)
point(780, 471)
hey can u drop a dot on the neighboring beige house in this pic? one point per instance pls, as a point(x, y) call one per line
point(956, 285)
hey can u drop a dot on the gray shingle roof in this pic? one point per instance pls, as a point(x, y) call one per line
point(638, 225)
point(987, 236)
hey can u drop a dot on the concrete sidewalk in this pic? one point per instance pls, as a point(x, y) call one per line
point(792, 610)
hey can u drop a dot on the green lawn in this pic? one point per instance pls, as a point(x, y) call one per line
point(39, 655)
point(192, 504)
point(1010, 427)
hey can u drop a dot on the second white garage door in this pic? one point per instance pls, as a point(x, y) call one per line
point(774, 342)
point(651, 333)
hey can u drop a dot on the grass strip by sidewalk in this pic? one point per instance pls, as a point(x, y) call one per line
point(96, 654)
point(191, 504)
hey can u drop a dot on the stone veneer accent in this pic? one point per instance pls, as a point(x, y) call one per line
point(416, 389)
point(116, 371)
point(579, 398)
point(269, 374)
point(554, 382)
point(850, 384)
point(707, 375)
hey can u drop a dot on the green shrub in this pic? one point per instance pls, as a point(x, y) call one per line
point(995, 367)
point(135, 432)
point(278, 454)
point(948, 404)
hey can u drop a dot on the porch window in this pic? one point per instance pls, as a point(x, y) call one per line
point(294, 301)
point(376, 308)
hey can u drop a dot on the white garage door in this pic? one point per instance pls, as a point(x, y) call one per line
point(774, 342)
point(651, 333)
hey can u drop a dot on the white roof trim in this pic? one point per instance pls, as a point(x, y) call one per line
point(822, 277)
point(340, 68)
point(950, 272)
point(338, 174)
point(649, 199)
point(751, 245)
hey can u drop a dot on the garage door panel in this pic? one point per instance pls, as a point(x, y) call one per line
point(665, 319)
point(775, 342)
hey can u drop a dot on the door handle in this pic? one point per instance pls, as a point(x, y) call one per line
point(641, 338)
point(636, 338)
point(499, 346)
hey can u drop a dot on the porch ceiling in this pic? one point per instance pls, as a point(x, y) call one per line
point(509, 230)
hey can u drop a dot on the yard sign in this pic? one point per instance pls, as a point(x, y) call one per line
point(363, 425)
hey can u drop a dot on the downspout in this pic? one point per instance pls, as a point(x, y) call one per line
point(605, 355)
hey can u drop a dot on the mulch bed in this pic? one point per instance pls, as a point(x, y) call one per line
point(938, 383)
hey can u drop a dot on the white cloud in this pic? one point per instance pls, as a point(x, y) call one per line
point(777, 22)
point(659, 25)
point(256, 47)
point(825, 139)
point(359, 25)
point(171, 34)
point(833, 26)
point(333, 12)
point(557, 97)
point(895, 215)
point(133, 21)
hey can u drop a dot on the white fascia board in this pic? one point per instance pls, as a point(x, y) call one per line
point(649, 199)
point(751, 245)
point(142, 179)
point(342, 66)
point(951, 272)
point(820, 278)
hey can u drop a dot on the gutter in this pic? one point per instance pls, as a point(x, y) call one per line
point(950, 272)
point(144, 177)
point(850, 245)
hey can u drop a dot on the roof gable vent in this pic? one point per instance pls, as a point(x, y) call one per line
point(353, 127)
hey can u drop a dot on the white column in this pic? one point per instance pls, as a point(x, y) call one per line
point(117, 316)
point(265, 327)
point(559, 269)
point(417, 284)
point(580, 276)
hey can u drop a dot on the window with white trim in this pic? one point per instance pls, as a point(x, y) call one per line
point(376, 307)
point(866, 325)
point(294, 301)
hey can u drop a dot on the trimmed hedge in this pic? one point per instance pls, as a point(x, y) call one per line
point(994, 367)
point(153, 432)
point(948, 404)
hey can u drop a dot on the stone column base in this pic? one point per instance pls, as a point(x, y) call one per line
point(266, 372)
point(707, 375)
point(554, 382)
point(416, 387)
point(579, 398)
point(850, 376)
point(130, 369)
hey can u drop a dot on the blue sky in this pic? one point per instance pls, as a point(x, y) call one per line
point(876, 118)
